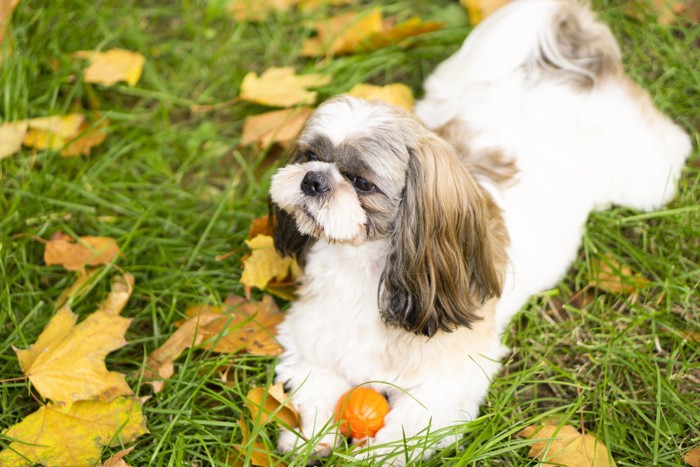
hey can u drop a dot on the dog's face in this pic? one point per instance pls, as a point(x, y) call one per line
point(365, 171)
point(345, 180)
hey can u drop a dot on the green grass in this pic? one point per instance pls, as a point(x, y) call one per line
point(175, 191)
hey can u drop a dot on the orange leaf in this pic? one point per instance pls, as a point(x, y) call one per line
point(87, 251)
point(564, 445)
point(88, 138)
point(279, 126)
point(271, 404)
point(343, 34)
point(259, 226)
point(692, 457)
point(609, 275)
point(402, 31)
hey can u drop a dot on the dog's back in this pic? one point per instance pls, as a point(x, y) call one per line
point(537, 103)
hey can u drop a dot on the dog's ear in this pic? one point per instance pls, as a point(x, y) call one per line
point(444, 263)
point(287, 238)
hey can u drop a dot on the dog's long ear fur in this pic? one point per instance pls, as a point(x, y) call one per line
point(445, 261)
point(287, 238)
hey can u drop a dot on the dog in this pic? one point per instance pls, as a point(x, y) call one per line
point(420, 238)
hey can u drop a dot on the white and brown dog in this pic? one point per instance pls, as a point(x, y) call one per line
point(417, 249)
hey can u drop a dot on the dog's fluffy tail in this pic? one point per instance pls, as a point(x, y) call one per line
point(542, 39)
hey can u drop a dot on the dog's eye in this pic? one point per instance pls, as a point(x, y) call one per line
point(362, 184)
point(310, 156)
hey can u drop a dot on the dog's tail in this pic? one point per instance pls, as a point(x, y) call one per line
point(542, 39)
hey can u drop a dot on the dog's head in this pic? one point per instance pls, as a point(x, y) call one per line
point(363, 171)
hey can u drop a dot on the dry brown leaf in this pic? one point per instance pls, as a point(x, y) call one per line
point(609, 275)
point(239, 325)
point(279, 126)
point(395, 94)
point(692, 457)
point(73, 434)
point(281, 87)
point(67, 361)
point(160, 364)
point(257, 10)
point(271, 403)
point(259, 226)
point(264, 264)
point(111, 66)
point(342, 34)
point(87, 251)
point(11, 136)
point(564, 445)
point(117, 460)
point(480, 9)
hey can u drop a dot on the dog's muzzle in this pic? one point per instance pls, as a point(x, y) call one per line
point(315, 183)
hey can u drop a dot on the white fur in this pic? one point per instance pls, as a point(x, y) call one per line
point(575, 150)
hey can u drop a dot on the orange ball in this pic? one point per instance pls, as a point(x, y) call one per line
point(361, 412)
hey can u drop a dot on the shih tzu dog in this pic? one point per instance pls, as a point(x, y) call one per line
point(418, 246)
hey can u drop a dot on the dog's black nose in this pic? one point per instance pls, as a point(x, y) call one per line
point(314, 183)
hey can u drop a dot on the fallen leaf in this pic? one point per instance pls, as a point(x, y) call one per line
point(342, 34)
point(395, 94)
point(281, 87)
point(72, 434)
point(111, 66)
point(78, 288)
point(67, 362)
point(264, 263)
point(279, 126)
point(117, 460)
point(395, 34)
point(238, 325)
point(271, 403)
point(6, 9)
point(564, 445)
point(87, 251)
point(257, 10)
point(692, 457)
point(122, 286)
point(11, 136)
point(609, 275)
point(362, 32)
point(88, 138)
point(480, 9)
point(259, 226)
point(52, 132)
point(254, 452)
point(160, 364)
point(666, 11)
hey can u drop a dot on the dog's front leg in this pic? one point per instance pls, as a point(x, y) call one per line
point(314, 392)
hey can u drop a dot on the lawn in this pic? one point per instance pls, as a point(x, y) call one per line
point(175, 189)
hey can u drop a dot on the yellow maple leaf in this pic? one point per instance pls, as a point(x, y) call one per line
point(564, 445)
point(480, 9)
point(395, 34)
point(281, 87)
point(73, 434)
point(87, 251)
point(87, 138)
point(111, 66)
point(342, 34)
point(11, 136)
point(264, 263)
point(396, 94)
point(278, 126)
point(66, 363)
